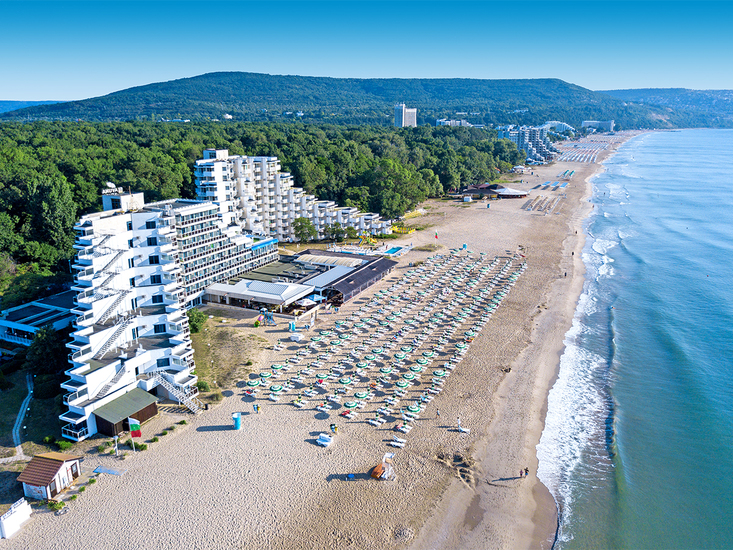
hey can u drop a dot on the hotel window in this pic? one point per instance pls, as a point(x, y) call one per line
point(152, 241)
point(132, 282)
point(149, 225)
point(159, 329)
point(129, 226)
point(155, 279)
point(116, 204)
point(154, 260)
point(131, 262)
point(158, 299)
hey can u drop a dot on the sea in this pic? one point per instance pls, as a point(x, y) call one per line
point(637, 448)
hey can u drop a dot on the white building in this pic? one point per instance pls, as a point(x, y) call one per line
point(532, 140)
point(605, 125)
point(265, 200)
point(404, 117)
point(461, 123)
point(138, 268)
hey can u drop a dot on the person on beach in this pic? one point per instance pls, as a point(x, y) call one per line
point(437, 413)
point(521, 473)
point(526, 472)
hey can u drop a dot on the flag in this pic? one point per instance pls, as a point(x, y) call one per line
point(134, 427)
point(436, 234)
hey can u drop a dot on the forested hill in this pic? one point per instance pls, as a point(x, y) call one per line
point(715, 105)
point(15, 105)
point(262, 97)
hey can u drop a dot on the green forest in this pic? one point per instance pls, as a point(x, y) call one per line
point(52, 172)
point(319, 100)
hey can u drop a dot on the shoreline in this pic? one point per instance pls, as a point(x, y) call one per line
point(270, 486)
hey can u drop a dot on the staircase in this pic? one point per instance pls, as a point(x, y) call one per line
point(112, 339)
point(111, 262)
point(109, 385)
point(111, 309)
point(192, 403)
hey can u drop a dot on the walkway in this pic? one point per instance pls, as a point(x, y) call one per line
point(19, 455)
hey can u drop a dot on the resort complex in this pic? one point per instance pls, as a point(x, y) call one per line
point(532, 140)
point(140, 266)
point(265, 200)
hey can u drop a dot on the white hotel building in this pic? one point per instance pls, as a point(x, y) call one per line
point(138, 268)
point(266, 199)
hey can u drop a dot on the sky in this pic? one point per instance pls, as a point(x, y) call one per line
point(62, 50)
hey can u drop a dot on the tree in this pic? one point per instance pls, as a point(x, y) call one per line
point(351, 232)
point(196, 319)
point(304, 229)
point(335, 232)
point(47, 354)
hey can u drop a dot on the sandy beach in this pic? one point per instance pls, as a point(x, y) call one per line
point(270, 486)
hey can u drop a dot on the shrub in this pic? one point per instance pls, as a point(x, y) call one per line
point(218, 396)
point(49, 439)
point(248, 363)
point(202, 385)
point(171, 428)
point(196, 320)
point(54, 505)
point(141, 446)
point(91, 481)
point(102, 446)
point(73, 497)
point(164, 432)
point(155, 439)
point(183, 422)
point(82, 489)
point(64, 445)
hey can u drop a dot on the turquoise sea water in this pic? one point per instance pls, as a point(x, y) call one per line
point(638, 441)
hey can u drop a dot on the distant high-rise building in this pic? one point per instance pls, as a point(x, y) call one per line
point(605, 125)
point(404, 117)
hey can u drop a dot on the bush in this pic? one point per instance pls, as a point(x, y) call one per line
point(64, 445)
point(82, 489)
point(102, 446)
point(171, 428)
point(183, 422)
point(218, 396)
point(202, 385)
point(73, 497)
point(164, 432)
point(57, 505)
point(196, 320)
point(49, 439)
point(248, 363)
point(141, 446)
point(154, 440)
point(91, 481)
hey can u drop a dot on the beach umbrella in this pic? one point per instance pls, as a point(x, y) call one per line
point(277, 366)
point(385, 370)
point(345, 380)
point(398, 313)
point(384, 323)
point(428, 354)
point(422, 361)
point(361, 394)
point(253, 383)
point(416, 368)
point(402, 383)
point(470, 334)
point(316, 338)
point(362, 364)
point(340, 322)
point(265, 374)
point(409, 321)
point(378, 350)
point(391, 318)
point(336, 342)
point(276, 388)
point(326, 333)
point(351, 404)
point(409, 376)
point(369, 357)
point(413, 408)
point(359, 325)
point(344, 336)
point(439, 372)
point(460, 345)
point(406, 349)
point(400, 355)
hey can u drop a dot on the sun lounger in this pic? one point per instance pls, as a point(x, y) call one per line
point(404, 428)
point(324, 440)
point(464, 430)
point(274, 397)
point(310, 393)
point(300, 404)
point(334, 398)
point(324, 408)
point(374, 422)
point(398, 439)
point(396, 444)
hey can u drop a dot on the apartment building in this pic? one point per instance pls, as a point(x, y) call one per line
point(532, 140)
point(404, 117)
point(139, 267)
point(266, 200)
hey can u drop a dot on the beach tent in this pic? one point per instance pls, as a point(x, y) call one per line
point(384, 471)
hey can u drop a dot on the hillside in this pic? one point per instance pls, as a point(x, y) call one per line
point(6, 106)
point(715, 106)
point(261, 97)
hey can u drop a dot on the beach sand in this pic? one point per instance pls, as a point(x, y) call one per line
point(206, 485)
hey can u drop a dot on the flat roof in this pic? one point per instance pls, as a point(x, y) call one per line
point(322, 259)
point(126, 405)
point(322, 280)
point(261, 291)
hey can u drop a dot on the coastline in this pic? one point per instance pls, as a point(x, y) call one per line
point(270, 486)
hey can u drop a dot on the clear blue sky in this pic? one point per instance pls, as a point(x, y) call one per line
point(75, 50)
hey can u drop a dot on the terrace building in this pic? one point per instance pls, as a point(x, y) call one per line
point(254, 193)
point(139, 267)
point(532, 140)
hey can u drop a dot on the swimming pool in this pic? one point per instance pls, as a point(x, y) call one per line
point(394, 250)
